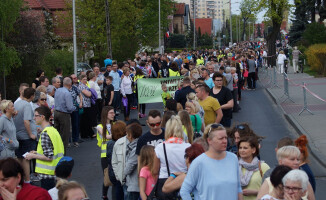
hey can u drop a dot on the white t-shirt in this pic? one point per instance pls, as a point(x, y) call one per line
point(53, 193)
point(175, 155)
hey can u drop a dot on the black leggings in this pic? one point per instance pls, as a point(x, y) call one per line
point(142, 107)
point(104, 164)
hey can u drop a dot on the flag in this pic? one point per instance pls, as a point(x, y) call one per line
point(167, 34)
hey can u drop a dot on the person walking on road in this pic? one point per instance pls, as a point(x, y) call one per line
point(224, 97)
point(280, 61)
point(211, 106)
point(295, 59)
point(252, 73)
point(64, 106)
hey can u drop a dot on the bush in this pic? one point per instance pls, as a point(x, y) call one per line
point(177, 41)
point(315, 33)
point(58, 58)
point(316, 55)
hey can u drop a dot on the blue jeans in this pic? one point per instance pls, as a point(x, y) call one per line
point(75, 119)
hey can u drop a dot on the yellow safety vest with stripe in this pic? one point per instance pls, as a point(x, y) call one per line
point(173, 73)
point(102, 143)
point(135, 81)
point(48, 167)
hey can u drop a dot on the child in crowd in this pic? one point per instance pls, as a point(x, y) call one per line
point(165, 94)
point(108, 91)
point(147, 177)
point(63, 172)
point(134, 131)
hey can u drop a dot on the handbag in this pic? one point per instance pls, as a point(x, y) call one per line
point(157, 193)
point(196, 133)
point(107, 182)
point(125, 101)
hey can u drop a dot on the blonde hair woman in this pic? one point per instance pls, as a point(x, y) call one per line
point(170, 154)
point(186, 125)
point(191, 97)
point(8, 129)
point(280, 61)
point(214, 164)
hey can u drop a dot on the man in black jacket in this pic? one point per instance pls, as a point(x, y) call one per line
point(181, 95)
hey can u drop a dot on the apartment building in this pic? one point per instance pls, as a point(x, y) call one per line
point(214, 9)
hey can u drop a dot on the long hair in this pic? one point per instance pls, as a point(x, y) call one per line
point(146, 159)
point(104, 119)
point(301, 143)
point(186, 122)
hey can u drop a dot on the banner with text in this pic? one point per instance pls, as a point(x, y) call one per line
point(150, 89)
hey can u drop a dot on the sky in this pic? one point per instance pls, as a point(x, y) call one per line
point(235, 7)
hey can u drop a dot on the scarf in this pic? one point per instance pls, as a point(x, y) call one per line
point(250, 169)
point(174, 140)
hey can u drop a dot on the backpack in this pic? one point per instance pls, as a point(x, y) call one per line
point(94, 96)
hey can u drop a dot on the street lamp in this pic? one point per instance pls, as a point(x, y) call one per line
point(159, 26)
point(74, 35)
point(194, 13)
point(231, 39)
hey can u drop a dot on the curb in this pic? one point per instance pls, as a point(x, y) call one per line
point(299, 130)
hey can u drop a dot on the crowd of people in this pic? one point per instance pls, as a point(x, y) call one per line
point(191, 151)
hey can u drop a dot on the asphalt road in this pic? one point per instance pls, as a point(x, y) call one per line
point(257, 109)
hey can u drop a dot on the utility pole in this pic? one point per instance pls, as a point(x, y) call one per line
point(194, 26)
point(74, 35)
point(3, 65)
point(108, 29)
point(231, 40)
point(159, 26)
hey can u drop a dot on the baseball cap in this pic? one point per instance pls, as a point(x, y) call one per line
point(64, 167)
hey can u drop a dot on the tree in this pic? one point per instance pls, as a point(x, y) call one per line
point(299, 23)
point(133, 24)
point(275, 11)
point(9, 12)
point(314, 34)
point(177, 41)
point(248, 10)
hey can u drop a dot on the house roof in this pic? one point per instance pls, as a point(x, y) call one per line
point(205, 25)
point(180, 8)
point(47, 4)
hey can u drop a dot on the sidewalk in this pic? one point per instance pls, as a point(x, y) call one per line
point(313, 126)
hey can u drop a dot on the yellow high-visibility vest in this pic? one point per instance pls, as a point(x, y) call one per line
point(48, 167)
point(102, 143)
point(173, 73)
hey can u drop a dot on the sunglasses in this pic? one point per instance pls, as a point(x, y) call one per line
point(240, 127)
point(153, 125)
point(214, 126)
point(43, 99)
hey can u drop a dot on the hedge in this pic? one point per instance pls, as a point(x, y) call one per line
point(316, 56)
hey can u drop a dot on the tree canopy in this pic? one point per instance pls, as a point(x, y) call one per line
point(133, 24)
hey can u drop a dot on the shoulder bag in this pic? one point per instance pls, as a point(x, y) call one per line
point(196, 132)
point(157, 193)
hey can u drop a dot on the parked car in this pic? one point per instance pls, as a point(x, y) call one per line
point(83, 67)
